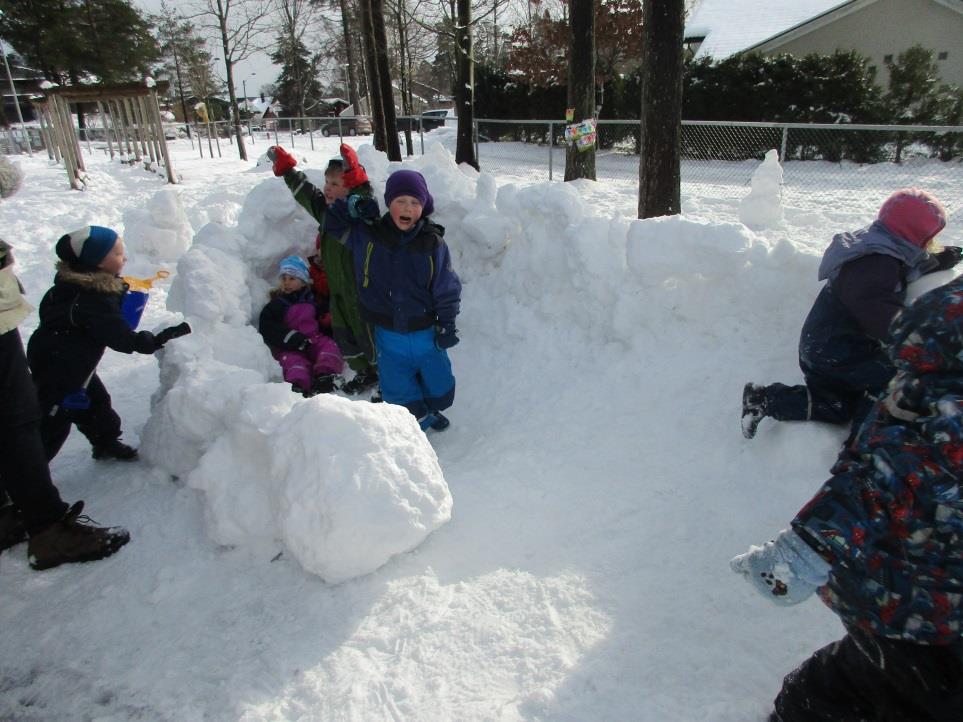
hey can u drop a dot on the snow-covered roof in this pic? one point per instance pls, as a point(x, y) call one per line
point(730, 26)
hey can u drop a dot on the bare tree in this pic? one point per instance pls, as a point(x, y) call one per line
point(465, 86)
point(351, 56)
point(371, 62)
point(239, 26)
point(382, 76)
point(581, 84)
point(661, 131)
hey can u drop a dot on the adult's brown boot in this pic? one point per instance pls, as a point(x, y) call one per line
point(75, 538)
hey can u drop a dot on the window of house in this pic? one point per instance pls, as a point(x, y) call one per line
point(942, 55)
point(888, 58)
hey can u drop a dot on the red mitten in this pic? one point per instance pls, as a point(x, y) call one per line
point(283, 161)
point(354, 174)
point(324, 322)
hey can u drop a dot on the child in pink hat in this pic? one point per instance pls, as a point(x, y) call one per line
point(841, 345)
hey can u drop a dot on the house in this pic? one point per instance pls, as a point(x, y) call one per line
point(878, 29)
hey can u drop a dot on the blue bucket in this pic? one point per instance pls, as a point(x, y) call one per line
point(133, 306)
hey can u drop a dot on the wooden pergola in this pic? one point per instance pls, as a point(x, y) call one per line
point(132, 126)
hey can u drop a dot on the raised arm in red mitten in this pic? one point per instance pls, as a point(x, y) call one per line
point(283, 161)
point(354, 174)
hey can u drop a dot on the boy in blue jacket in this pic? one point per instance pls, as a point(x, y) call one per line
point(882, 542)
point(407, 288)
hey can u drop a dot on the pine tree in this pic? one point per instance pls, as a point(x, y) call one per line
point(184, 55)
point(297, 86)
point(74, 40)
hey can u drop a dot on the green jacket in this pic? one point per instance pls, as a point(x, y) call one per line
point(351, 333)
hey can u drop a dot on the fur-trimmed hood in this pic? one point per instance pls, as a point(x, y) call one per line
point(96, 281)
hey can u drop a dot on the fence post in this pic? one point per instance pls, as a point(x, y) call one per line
point(421, 131)
point(782, 150)
point(311, 132)
point(551, 146)
point(475, 124)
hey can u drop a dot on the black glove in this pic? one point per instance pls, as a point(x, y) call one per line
point(948, 257)
point(446, 335)
point(170, 333)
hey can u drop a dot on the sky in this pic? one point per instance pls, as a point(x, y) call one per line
point(559, 553)
point(257, 70)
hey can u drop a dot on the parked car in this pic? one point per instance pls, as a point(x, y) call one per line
point(432, 119)
point(408, 122)
point(350, 125)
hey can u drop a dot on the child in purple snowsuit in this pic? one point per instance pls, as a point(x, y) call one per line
point(310, 361)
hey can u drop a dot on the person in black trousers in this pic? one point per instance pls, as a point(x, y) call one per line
point(30, 504)
point(80, 317)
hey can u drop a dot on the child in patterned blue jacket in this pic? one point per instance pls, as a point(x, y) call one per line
point(407, 288)
point(882, 542)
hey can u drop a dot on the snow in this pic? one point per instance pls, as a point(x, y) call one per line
point(762, 208)
point(561, 552)
point(730, 26)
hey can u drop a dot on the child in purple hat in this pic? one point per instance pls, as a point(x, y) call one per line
point(407, 289)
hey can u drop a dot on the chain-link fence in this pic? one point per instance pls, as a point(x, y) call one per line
point(718, 159)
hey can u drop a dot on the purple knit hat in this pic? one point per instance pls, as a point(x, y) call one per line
point(409, 183)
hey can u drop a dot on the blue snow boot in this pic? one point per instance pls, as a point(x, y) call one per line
point(434, 420)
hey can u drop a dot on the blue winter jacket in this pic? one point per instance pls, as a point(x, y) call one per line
point(405, 280)
point(890, 519)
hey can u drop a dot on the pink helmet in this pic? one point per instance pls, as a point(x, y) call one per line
point(914, 215)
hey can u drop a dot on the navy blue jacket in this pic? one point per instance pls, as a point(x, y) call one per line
point(405, 280)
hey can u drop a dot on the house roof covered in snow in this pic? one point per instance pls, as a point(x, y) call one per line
point(730, 26)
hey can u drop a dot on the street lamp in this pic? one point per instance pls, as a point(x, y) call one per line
point(244, 86)
point(16, 99)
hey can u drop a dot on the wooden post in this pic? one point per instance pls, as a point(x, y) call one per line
point(103, 115)
point(168, 166)
point(43, 115)
point(63, 126)
point(132, 127)
point(146, 130)
point(122, 117)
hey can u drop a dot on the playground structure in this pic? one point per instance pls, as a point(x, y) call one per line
point(131, 124)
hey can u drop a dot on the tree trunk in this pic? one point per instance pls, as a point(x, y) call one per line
point(371, 63)
point(383, 68)
point(229, 71)
point(353, 97)
point(581, 84)
point(465, 86)
point(661, 131)
point(404, 67)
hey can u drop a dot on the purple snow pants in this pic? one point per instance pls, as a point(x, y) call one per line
point(322, 356)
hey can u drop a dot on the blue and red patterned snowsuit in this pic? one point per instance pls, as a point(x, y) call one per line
point(890, 522)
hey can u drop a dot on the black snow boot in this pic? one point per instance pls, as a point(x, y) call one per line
point(363, 380)
point(753, 408)
point(12, 530)
point(114, 449)
point(324, 384)
point(74, 538)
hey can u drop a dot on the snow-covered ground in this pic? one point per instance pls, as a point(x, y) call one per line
point(594, 474)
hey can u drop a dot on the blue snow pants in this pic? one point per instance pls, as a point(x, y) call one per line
point(414, 372)
point(844, 368)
